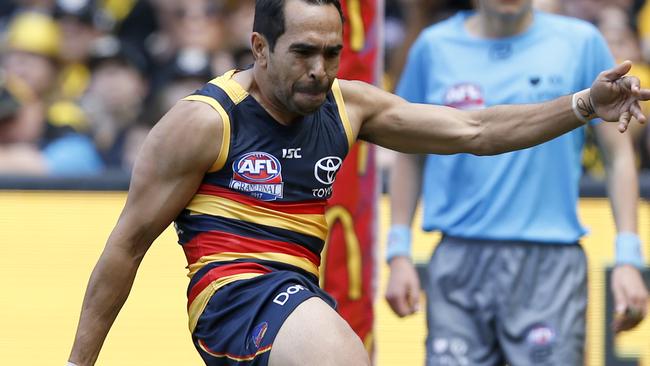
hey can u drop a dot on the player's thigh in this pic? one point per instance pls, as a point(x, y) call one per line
point(314, 334)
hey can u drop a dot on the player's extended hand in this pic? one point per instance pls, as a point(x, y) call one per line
point(403, 290)
point(630, 297)
point(615, 97)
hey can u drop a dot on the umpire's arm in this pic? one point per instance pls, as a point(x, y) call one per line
point(630, 294)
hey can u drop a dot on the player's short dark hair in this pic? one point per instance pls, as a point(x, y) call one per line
point(269, 17)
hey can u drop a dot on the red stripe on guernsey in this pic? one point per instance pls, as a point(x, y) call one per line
point(215, 242)
point(226, 270)
point(303, 207)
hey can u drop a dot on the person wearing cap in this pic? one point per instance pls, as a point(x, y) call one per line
point(29, 142)
point(31, 51)
point(30, 145)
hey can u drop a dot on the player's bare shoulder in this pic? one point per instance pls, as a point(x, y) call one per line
point(355, 92)
point(191, 131)
point(365, 102)
point(197, 116)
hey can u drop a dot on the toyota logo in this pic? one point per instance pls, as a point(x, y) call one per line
point(326, 168)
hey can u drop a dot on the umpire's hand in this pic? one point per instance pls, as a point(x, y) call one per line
point(403, 290)
point(630, 297)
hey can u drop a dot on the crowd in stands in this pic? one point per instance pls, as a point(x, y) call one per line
point(82, 81)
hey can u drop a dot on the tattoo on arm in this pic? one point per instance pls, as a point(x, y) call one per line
point(585, 108)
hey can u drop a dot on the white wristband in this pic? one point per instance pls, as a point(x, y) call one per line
point(70, 364)
point(574, 106)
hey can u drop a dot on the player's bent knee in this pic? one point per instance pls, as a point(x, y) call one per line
point(314, 334)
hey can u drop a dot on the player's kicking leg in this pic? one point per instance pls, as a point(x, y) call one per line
point(314, 334)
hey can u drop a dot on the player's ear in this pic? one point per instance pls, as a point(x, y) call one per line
point(260, 48)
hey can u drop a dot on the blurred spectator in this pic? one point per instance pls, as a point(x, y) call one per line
point(191, 24)
point(239, 23)
point(188, 71)
point(134, 22)
point(114, 100)
point(44, 6)
point(415, 15)
point(590, 9)
point(81, 23)
point(615, 25)
point(33, 42)
point(29, 143)
point(643, 21)
point(7, 9)
point(583, 9)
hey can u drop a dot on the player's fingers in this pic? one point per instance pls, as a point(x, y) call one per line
point(632, 83)
point(617, 71)
point(635, 108)
point(624, 121)
point(643, 94)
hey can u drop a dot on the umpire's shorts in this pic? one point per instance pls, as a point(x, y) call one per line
point(492, 303)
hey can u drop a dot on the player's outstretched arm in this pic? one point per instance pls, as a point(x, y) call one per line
point(389, 121)
point(167, 173)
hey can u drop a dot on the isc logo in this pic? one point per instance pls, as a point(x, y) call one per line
point(257, 167)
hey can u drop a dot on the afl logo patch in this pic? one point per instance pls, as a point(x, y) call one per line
point(257, 167)
point(326, 168)
point(258, 174)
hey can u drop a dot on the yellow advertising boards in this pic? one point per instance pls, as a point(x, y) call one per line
point(49, 242)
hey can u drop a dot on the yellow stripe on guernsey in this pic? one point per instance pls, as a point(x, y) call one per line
point(338, 96)
point(225, 138)
point(308, 224)
point(235, 92)
point(300, 262)
point(201, 301)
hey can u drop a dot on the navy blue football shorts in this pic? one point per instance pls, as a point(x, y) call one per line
point(242, 319)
